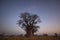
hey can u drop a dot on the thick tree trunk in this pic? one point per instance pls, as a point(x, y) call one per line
point(29, 33)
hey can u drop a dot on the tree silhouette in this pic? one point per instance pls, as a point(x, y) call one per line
point(56, 34)
point(28, 23)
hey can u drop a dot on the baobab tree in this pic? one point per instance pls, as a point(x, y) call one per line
point(28, 22)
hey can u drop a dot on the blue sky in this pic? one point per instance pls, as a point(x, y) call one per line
point(49, 12)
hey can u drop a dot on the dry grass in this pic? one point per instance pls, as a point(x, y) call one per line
point(30, 38)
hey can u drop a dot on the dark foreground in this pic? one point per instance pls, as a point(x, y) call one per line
point(30, 38)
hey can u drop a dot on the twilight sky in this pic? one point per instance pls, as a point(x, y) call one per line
point(49, 12)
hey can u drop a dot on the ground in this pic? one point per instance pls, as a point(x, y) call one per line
point(30, 38)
